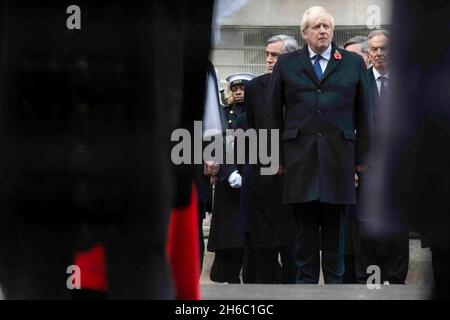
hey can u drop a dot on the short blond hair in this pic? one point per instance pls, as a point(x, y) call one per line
point(315, 12)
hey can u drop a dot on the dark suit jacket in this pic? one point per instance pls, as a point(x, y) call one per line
point(356, 211)
point(327, 126)
point(373, 88)
point(376, 103)
point(256, 95)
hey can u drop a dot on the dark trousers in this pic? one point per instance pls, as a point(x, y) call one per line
point(227, 265)
point(393, 262)
point(310, 217)
point(350, 269)
point(249, 262)
point(397, 262)
point(366, 257)
point(201, 238)
point(269, 270)
point(441, 267)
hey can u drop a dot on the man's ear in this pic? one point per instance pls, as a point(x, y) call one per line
point(368, 58)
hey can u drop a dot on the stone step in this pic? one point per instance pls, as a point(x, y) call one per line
point(313, 292)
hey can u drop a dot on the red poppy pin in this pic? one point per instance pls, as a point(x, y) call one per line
point(337, 55)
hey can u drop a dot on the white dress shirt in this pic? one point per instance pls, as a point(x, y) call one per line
point(377, 76)
point(326, 55)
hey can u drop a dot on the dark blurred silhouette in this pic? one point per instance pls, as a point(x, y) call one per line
point(413, 160)
point(86, 118)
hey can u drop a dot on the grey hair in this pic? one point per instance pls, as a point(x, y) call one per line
point(379, 32)
point(289, 43)
point(358, 40)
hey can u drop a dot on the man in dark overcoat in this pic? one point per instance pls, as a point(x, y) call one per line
point(388, 249)
point(272, 224)
point(319, 99)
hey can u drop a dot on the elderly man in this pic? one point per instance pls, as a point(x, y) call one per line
point(389, 250)
point(359, 45)
point(271, 223)
point(320, 101)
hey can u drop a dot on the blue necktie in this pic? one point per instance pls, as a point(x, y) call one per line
point(317, 67)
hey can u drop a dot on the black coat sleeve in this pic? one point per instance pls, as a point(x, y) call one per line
point(274, 105)
point(364, 116)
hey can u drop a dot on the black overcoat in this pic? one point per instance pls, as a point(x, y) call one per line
point(272, 222)
point(327, 125)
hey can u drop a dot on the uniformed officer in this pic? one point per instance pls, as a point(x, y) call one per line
point(224, 238)
point(237, 82)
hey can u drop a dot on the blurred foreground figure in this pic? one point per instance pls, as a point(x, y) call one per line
point(86, 118)
point(414, 161)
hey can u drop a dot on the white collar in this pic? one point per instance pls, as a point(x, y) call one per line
point(377, 74)
point(325, 55)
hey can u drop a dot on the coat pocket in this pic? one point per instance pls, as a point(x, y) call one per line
point(289, 134)
point(349, 135)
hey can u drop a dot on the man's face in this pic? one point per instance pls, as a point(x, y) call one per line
point(319, 34)
point(379, 52)
point(238, 93)
point(356, 48)
point(273, 50)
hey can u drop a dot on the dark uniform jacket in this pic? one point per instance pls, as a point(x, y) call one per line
point(327, 126)
point(224, 232)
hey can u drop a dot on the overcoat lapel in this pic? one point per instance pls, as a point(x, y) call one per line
point(263, 83)
point(332, 64)
point(303, 58)
point(373, 85)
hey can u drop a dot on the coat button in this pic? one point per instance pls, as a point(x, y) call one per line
point(319, 91)
point(319, 135)
point(230, 121)
point(231, 112)
point(319, 112)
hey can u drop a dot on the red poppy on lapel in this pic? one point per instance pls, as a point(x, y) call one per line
point(337, 55)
